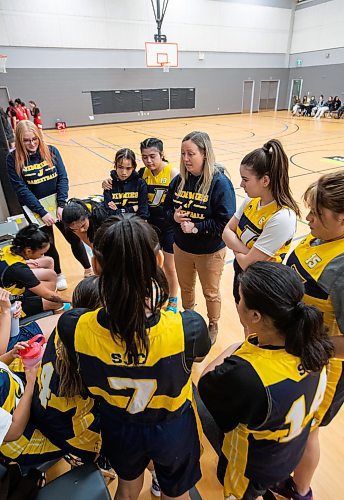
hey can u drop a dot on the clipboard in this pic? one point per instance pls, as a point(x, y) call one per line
point(49, 204)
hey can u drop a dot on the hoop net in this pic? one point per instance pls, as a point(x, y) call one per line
point(3, 60)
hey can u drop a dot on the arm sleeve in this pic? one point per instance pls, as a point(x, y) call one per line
point(197, 341)
point(62, 178)
point(22, 275)
point(233, 394)
point(168, 203)
point(25, 196)
point(223, 207)
point(143, 210)
point(240, 210)
point(279, 229)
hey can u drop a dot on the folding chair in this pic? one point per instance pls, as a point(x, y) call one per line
point(80, 483)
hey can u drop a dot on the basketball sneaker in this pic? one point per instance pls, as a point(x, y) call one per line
point(287, 489)
point(61, 283)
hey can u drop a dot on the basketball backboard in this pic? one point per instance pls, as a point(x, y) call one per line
point(160, 55)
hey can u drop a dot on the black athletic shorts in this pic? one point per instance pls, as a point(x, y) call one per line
point(32, 304)
point(172, 445)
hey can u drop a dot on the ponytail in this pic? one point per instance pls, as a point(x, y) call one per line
point(276, 291)
point(307, 338)
point(271, 160)
point(131, 282)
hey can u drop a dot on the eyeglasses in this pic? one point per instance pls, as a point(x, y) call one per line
point(31, 141)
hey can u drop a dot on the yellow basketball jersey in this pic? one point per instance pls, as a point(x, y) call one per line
point(310, 262)
point(271, 451)
point(157, 185)
point(70, 423)
point(159, 387)
point(252, 222)
point(7, 258)
point(32, 447)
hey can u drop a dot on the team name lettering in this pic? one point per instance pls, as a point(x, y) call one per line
point(118, 359)
point(189, 195)
point(120, 196)
point(42, 179)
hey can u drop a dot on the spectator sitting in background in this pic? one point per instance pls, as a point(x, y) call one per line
point(340, 111)
point(327, 106)
point(312, 104)
point(318, 105)
point(335, 105)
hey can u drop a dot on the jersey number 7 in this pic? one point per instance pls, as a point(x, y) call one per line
point(143, 391)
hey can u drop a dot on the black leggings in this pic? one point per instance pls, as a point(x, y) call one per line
point(78, 248)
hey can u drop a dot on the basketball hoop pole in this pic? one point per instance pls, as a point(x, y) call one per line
point(159, 17)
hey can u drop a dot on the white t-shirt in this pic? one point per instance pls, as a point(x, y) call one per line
point(5, 416)
point(277, 231)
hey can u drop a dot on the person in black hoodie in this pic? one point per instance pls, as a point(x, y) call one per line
point(129, 193)
point(36, 171)
point(200, 201)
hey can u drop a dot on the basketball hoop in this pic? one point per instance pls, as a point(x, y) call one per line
point(3, 60)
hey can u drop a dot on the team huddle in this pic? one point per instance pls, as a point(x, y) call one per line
point(115, 378)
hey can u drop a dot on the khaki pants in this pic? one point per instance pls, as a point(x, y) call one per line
point(209, 268)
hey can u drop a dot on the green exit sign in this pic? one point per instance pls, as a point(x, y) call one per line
point(298, 62)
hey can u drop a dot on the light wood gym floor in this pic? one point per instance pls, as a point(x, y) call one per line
point(88, 153)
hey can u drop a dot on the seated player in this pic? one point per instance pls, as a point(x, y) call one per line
point(30, 243)
point(19, 439)
point(71, 423)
